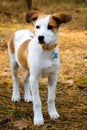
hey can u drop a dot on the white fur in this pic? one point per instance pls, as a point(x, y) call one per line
point(41, 63)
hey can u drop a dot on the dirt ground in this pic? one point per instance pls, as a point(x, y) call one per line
point(71, 92)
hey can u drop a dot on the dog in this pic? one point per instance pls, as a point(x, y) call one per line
point(38, 55)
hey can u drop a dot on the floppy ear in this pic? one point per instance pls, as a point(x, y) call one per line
point(62, 18)
point(32, 16)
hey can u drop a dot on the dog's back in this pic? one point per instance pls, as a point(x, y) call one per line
point(18, 46)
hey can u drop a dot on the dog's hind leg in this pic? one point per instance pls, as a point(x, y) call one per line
point(52, 79)
point(14, 71)
point(27, 89)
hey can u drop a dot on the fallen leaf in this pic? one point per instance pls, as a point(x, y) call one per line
point(70, 81)
point(21, 124)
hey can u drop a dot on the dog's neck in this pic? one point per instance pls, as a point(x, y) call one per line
point(48, 47)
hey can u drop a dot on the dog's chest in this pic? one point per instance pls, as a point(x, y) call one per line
point(41, 61)
point(48, 59)
point(49, 63)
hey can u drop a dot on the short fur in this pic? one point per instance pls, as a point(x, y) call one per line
point(26, 51)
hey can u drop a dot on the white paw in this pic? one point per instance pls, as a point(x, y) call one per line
point(28, 98)
point(15, 97)
point(54, 115)
point(38, 121)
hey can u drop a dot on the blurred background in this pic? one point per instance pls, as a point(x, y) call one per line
point(15, 10)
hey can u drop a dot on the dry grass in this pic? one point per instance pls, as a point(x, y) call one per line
point(71, 101)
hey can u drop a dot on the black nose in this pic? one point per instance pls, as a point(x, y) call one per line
point(41, 38)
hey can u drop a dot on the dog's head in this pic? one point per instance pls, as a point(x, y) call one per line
point(46, 26)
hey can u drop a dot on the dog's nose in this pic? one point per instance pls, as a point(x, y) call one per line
point(41, 38)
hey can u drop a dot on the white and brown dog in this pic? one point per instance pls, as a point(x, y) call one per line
point(38, 55)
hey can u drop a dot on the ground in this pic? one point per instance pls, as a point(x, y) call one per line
point(71, 92)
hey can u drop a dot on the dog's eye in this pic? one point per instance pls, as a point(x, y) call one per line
point(38, 27)
point(50, 27)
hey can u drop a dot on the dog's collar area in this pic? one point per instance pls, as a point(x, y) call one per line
point(47, 47)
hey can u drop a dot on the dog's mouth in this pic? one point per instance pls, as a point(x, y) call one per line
point(42, 42)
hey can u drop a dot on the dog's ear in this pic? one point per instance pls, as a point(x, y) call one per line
point(32, 16)
point(62, 18)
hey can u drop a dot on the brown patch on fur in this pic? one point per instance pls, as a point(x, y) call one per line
point(62, 18)
point(23, 54)
point(53, 23)
point(11, 44)
point(32, 16)
point(57, 19)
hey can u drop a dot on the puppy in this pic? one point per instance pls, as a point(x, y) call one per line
point(38, 55)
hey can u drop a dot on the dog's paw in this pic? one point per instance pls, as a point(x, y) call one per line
point(15, 97)
point(54, 115)
point(28, 98)
point(38, 121)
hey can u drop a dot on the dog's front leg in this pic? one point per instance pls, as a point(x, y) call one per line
point(37, 106)
point(52, 80)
